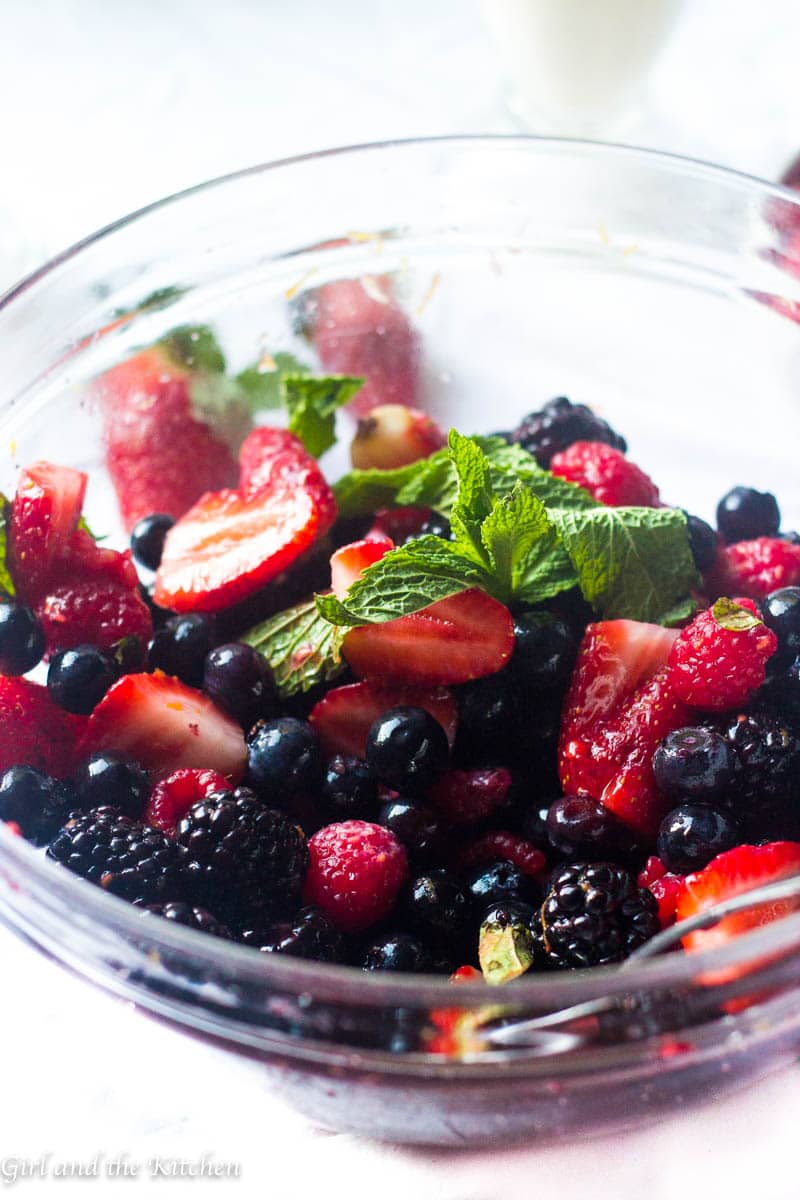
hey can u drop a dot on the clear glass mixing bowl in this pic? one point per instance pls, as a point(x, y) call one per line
point(661, 291)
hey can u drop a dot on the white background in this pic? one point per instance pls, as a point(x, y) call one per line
point(108, 104)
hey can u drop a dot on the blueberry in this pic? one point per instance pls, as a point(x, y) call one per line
point(112, 779)
point(77, 679)
point(437, 906)
point(579, 827)
point(487, 720)
point(414, 825)
point(693, 764)
point(703, 542)
point(691, 835)
point(396, 952)
point(283, 758)
point(533, 826)
point(498, 883)
point(147, 539)
point(436, 526)
point(240, 680)
point(781, 612)
point(407, 749)
point(309, 934)
point(34, 802)
point(21, 639)
point(544, 651)
point(743, 513)
point(180, 647)
point(349, 790)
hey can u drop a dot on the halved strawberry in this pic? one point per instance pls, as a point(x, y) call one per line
point(618, 708)
point(34, 731)
point(358, 328)
point(342, 718)
point(393, 435)
point(165, 725)
point(463, 637)
point(45, 511)
point(349, 561)
point(172, 798)
point(231, 543)
point(729, 874)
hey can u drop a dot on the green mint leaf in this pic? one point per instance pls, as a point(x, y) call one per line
point(6, 582)
point(630, 562)
point(261, 385)
point(405, 580)
point(301, 647)
point(511, 463)
point(526, 556)
point(312, 401)
point(734, 617)
point(505, 950)
point(84, 525)
point(475, 498)
point(360, 493)
point(196, 348)
point(680, 613)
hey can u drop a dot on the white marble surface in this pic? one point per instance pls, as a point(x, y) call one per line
point(106, 106)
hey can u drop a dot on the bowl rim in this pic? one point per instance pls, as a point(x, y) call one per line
point(346, 983)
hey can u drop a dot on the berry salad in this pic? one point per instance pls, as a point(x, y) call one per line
point(485, 705)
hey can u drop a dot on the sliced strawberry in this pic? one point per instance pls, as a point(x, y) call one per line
point(729, 874)
point(44, 513)
point(34, 731)
point(349, 561)
point(171, 431)
point(232, 543)
point(463, 637)
point(618, 708)
point(172, 798)
point(165, 725)
point(665, 886)
point(393, 435)
point(358, 328)
point(342, 718)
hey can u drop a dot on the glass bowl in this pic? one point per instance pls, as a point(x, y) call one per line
point(662, 291)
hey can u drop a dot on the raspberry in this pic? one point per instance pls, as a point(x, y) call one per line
point(595, 914)
point(468, 797)
point(560, 424)
point(97, 612)
point(719, 660)
point(754, 568)
point(355, 873)
point(172, 798)
point(499, 844)
point(606, 474)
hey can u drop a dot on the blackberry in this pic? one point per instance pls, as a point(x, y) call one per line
point(35, 803)
point(179, 647)
point(239, 679)
point(121, 855)
point(309, 934)
point(694, 763)
point(766, 780)
point(743, 514)
point(396, 952)
point(185, 914)
point(692, 834)
point(595, 914)
point(407, 748)
point(578, 826)
point(251, 859)
point(147, 539)
point(283, 758)
point(560, 423)
point(22, 639)
point(78, 678)
point(349, 789)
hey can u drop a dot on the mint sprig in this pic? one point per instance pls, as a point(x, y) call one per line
point(6, 582)
point(261, 384)
point(312, 401)
point(302, 648)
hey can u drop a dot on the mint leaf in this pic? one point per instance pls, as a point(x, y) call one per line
point(475, 499)
point(734, 617)
point(511, 462)
point(526, 557)
point(360, 493)
point(300, 646)
point(312, 401)
point(261, 385)
point(196, 348)
point(405, 580)
point(630, 562)
point(6, 582)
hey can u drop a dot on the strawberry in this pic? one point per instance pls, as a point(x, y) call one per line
point(399, 524)
point(343, 717)
point(80, 591)
point(34, 731)
point(231, 543)
point(393, 435)
point(665, 886)
point(729, 874)
point(165, 725)
point(349, 561)
point(606, 473)
point(172, 798)
point(618, 708)
point(358, 328)
point(172, 425)
point(452, 641)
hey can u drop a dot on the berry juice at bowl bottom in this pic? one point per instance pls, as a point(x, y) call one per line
point(395, 691)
